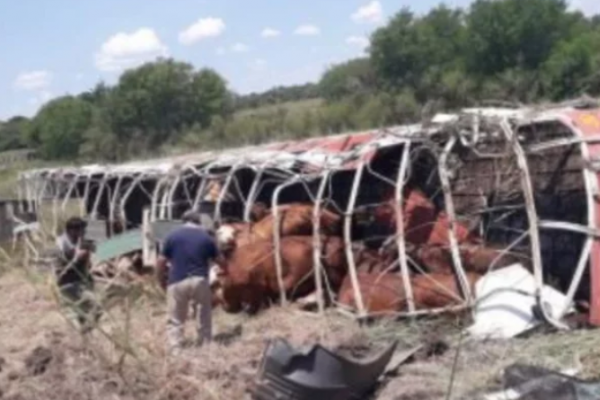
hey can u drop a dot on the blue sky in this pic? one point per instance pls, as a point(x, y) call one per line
point(53, 47)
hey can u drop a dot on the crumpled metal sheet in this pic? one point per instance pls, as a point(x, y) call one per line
point(118, 245)
point(505, 301)
point(536, 383)
point(316, 373)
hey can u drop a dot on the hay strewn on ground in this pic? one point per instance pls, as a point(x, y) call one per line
point(42, 357)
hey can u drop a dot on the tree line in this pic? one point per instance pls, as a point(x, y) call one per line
point(511, 50)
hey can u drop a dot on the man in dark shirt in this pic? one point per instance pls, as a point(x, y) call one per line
point(189, 251)
point(73, 275)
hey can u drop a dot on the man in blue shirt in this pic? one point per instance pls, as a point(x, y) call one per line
point(189, 250)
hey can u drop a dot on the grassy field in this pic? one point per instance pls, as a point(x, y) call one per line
point(8, 183)
point(293, 107)
point(9, 175)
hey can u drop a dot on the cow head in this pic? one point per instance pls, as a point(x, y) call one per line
point(226, 236)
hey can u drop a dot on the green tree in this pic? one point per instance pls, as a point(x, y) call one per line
point(160, 99)
point(60, 125)
point(511, 34)
point(404, 50)
point(570, 66)
point(209, 97)
point(13, 133)
point(349, 78)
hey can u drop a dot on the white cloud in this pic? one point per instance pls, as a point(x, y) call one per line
point(124, 50)
point(369, 13)
point(270, 33)
point(234, 48)
point(239, 48)
point(33, 80)
point(359, 41)
point(79, 76)
point(202, 29)
point(307, 30)
point(258, 65)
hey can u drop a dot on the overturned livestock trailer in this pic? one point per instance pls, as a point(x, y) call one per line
point(460, 195)
point(470, 193)
point(498, 182)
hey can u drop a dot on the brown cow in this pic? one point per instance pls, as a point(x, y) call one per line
point(423, 224)
point(475, 258)
point(295, 220)
point(250, 274)
point(385, 292)
point(372, 261)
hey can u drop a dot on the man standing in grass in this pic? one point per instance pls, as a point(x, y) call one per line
point(187, 253)
point(74, 279)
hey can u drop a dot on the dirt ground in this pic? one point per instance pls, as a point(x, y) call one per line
point(43, 357)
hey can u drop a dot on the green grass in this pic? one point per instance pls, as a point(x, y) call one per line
point(9, 176)
point(8, 183)
point(291, 107)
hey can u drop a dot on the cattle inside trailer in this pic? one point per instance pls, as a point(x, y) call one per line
point(442, 196)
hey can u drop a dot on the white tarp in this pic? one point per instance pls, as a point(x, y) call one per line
point(504, 303)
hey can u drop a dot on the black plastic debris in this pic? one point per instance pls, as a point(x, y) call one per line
point(317, 373)
point(536, 383)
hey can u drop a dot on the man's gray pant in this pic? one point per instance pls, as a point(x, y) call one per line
point(195, 291)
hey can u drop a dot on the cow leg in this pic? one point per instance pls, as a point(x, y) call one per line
point(232, 308)
point(254, 299)
point(231, 301)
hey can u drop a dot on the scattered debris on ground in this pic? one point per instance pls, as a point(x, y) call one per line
point(44, 358)
point(37, 362)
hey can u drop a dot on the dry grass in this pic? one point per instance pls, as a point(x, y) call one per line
point(126, 359)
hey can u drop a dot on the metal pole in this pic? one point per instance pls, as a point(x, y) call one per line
point(174, 185)
point(317, 241)
point(114, 197)
point(103, 183)
point(252, 194)
point(532, 220)
point(348, 239)
point(224, 189)
point(277, 237)
point(69, 193)
point(445, 180)
point(400, 239)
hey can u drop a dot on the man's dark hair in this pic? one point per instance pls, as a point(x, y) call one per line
point(75, 224)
